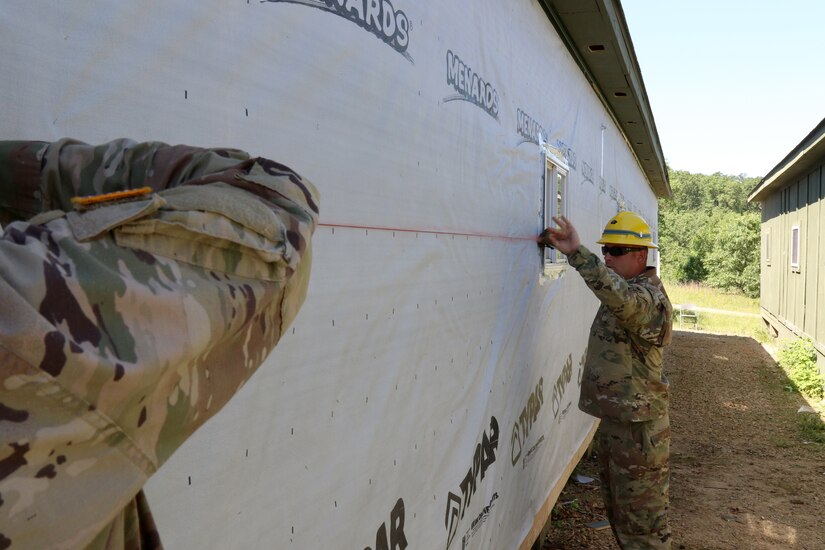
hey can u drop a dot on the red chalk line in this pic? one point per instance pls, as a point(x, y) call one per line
point(430, 232)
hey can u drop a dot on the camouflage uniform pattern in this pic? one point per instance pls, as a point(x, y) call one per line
point(624, 385)
point(127, 326)
point(635, 481)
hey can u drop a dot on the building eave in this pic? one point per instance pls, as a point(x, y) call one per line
point(805, 156)
point(596, 34)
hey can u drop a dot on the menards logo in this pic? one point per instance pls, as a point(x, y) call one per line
point(470, 86)
point(379, 17)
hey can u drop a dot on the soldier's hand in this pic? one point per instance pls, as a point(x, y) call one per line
point(544, 238)
point(563, 238)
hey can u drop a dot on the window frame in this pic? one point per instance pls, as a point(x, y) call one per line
point(795, 254)
point(768, 246)
point(554, 201)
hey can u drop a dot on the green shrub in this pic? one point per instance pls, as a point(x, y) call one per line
point(798, 359)
point(812, 428)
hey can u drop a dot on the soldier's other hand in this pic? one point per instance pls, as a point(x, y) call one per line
point(563, 238)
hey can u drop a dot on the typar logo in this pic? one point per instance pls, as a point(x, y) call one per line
point(379, 17)
point(521, 428)
point(561, 384)
point(479, 520)
point(470, 86)
point(531, 453)
point(484, 455)
point(528, 128)
point(396, 539)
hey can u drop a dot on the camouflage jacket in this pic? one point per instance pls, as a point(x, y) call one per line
point(623, 378)
point(124, 327)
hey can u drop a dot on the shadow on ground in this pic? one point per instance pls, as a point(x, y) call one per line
point(742, 475)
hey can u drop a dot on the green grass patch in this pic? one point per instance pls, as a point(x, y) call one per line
point(713, 298)
point(797, 357)
point(752, 327)
point(706, 296)
point(812, 428)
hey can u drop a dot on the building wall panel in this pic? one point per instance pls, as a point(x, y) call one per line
point(796, 297)
point(819, 305)
point(811, 246)
point(430, 330)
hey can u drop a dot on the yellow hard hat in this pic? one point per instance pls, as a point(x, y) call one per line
point(627, 229)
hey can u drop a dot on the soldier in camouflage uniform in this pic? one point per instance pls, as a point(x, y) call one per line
point(128, 320)
point(623, 383)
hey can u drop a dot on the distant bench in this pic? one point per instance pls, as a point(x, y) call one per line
point(687, 313)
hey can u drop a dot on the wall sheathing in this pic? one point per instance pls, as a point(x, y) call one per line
point(427, 391)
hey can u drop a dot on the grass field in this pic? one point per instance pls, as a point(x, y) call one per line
point(708, 297)
point(705, 296)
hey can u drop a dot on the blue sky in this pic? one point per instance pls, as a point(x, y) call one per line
point(734, 85)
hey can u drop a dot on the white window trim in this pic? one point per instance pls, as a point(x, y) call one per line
point(795, 265)
point(768, 246)
point(554, 165)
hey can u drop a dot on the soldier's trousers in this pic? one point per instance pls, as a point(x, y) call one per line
point(635, 476)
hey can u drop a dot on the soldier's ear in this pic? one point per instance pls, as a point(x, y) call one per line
point(641, 258)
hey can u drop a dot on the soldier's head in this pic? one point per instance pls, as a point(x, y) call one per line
point(625, 243)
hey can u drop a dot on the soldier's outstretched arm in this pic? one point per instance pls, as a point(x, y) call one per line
point(127, 324)
point(633, 304)
point(38, 176)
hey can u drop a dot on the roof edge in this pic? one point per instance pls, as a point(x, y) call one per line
point(612, 15)
point(793, 165)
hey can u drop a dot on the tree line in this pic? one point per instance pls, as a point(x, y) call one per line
point(709, 233)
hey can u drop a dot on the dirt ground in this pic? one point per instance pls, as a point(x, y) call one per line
point(742, 476)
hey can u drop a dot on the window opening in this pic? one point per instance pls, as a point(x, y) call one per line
point(554, 198)
point(768, 246)
point(795, 248)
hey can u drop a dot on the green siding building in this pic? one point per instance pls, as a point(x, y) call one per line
point(793, 242)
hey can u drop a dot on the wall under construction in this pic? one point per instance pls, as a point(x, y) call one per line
point(426, 394)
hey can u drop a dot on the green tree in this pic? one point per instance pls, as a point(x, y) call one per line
point(736, 244)
point(708, 232)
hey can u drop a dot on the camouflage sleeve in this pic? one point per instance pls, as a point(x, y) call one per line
point(634, 305)
point(127, 326)
point(20, 179)
point(37, 176)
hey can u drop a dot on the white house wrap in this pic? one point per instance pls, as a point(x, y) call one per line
point(426, 396)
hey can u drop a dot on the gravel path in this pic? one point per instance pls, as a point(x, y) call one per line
point(742, 477)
